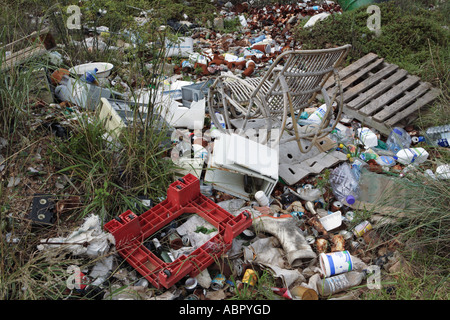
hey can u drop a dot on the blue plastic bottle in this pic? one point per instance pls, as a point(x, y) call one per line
point(398, 139)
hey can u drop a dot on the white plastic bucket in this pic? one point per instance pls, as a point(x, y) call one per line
point(335, 263)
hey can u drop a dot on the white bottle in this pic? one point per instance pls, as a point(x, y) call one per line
point(262, 199)
point(412, 155)
point(367, 137)
point(318, 115)
point(329, 286)
point(215, 133)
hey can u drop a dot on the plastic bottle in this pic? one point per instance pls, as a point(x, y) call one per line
point(258, 39)
point(412, 155)
point(342, 136)
point(331, 285)
point(367, 137)
point(262, 199)
point(398, 139)
point(344, 184)
point(214, 131)
point(357, 166)
point(90, 76)
point(366, 156)
point(316, 117)
point(438, 136)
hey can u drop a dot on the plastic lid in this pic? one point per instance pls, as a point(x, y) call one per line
point(397, 131)
point(350, 199)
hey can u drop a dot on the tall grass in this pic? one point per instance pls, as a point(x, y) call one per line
point(108, 176)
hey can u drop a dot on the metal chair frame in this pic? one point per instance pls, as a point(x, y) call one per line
point(291, 84)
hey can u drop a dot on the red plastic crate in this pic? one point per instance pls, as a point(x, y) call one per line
point(183, 196)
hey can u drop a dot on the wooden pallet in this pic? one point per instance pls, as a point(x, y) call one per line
point(381, 95)
point(28, 47)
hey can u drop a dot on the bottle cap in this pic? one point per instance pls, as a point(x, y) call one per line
point(350, 199)
point(397, 131)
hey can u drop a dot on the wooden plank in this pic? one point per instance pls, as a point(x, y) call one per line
point(369, 82)
point(347, 82)
point(352, 68)
point(27, 54)
point(37, 43)
point(389, 111)
point(390, 95)
point(378, 90)
point(422, 101)
point(367, 121)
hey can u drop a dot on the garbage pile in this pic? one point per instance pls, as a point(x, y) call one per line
point(304, 237)
point(264, 33)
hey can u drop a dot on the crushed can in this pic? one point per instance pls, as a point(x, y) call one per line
point(218, 282)
point(362, 228)
point(250, 277)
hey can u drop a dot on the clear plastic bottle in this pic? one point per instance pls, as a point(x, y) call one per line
point(344, 184)
point(438, 136)
point(342, 136)
point(357, 166)
point(331, 285)
point(398, 139)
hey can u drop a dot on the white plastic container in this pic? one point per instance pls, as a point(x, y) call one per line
point(318, 115)
point(331, 221)
point(386, 161)
point(262, 199)
point(412, 155)
point(103, 69)
point(367, 137)
point(335, 263)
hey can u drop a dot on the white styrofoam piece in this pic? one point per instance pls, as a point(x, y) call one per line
point(228, 175)
point(331, 221)
point(239, 153)
point(233, 182)
point(174, 112)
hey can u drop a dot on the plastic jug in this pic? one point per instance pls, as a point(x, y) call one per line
point(398, 139)
point(412, 155)
point(367, 137)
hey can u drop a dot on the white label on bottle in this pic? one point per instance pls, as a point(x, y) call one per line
point(338, 283)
